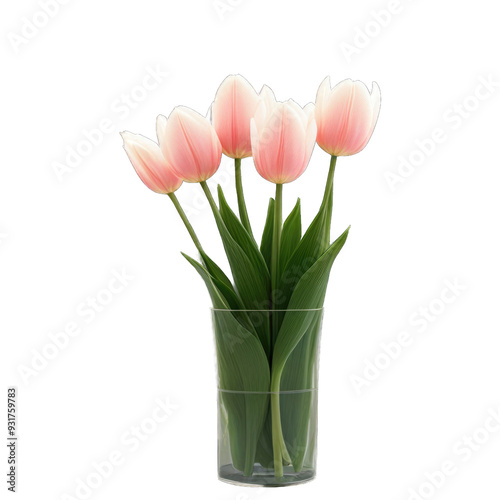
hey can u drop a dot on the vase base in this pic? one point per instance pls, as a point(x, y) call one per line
point(265, 477)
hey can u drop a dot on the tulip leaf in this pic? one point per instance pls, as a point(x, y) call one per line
point(266, 245)
point(242, 366)
point(306, 253)
point(222, 283)
point(215, 270)
point(218, 299)
point(241, 236)
point(298, 375)
point(264, 455)
point(252, 284)
point(308, 295)
point(290, 236)
point(303, 309)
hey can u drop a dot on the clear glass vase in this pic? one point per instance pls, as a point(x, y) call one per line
point(267, 415)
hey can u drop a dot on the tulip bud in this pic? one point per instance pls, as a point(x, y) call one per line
point(346, 116)
point(189, 143)
point(232, 110)
point(283, 136)
point(149, 163)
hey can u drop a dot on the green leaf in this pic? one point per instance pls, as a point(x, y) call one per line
point(290, 236)
point(264, 455)
point(215, 270)
point(242, 366)
point(309, 294)
point(304, 256)
point(241, 236)
point(218, 299)
point(295, 408)
point(266, 245)
point(222, 283)
point(307, 299)
point(252, 286)
point(251, 278)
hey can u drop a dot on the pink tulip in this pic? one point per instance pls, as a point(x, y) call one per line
point(189, 143)
point(346, 116)
point(283, 137)
point(149, 163)
point(233, 107)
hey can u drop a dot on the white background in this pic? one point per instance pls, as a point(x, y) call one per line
point(61, 240)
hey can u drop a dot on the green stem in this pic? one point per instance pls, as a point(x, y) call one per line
point(277, 227)
point(328, 199)
point(279, 447)
point(241, 199)
point(211, 201)
point(329, 180)
point(275, 257)
point(276, 428)
point(188, 225)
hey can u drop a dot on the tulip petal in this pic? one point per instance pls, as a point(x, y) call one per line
point(190, 144)
point(283, 136)
point(376, 100)
point(233, 107)
point(150, 164)
point(309, 110)
point(310, 141)
point(346, 116)
point(322, 94)
point(266, 95)
point(359, 120)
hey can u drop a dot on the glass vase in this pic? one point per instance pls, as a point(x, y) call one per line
point(267, 415)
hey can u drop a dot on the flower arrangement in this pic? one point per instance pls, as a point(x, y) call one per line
point(266, 319)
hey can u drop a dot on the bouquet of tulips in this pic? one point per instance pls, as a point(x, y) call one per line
point(267, 317)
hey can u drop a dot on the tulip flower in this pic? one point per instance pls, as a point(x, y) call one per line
point(233, 108)
point(151, 166)
point(283, 137)
point(149, 163)
point(189, 143)
point(346, 116)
